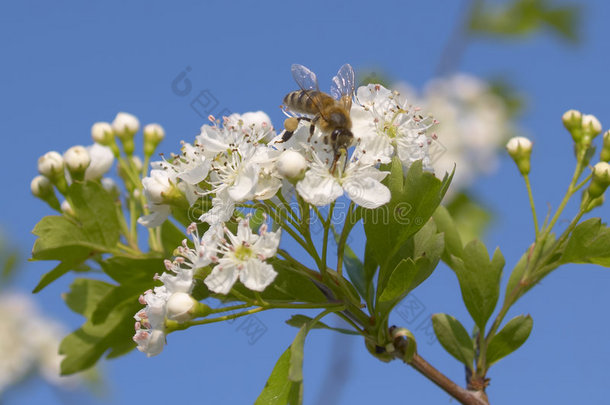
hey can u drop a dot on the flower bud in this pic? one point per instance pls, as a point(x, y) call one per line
point(102, 159)
point(572, 119)
point(125, 126)
point(600, 180)
point(604, 155)
point(77, 161)
point(153, 135)
point(51, 165)
point(291, 165)
point(520, 149)
point(137, 163)
point(42, 188)
point(66, 208)
point(157, 186)
point(591, 126)
point(181, 307)
point(102, 133)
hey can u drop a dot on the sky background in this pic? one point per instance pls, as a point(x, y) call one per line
point(65, 65)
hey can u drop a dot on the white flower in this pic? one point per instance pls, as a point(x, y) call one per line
point(179, 306)
point(360, 181)
point(384, 125)
point(156, 187)
point(191, 165)
point(51, 164)
point(150, 342)
point(102, 159)
point(125, 124)
point(243, 257)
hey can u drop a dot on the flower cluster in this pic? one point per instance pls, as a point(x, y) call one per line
point(28, 343)
point(241, 159)
point(474, 124)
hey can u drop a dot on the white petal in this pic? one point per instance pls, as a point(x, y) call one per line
point(195, 174)
point(319, 190)
point(222, 278)
point(257, 275)
point(367, 192)
point(242, 188)
point(158, 215)
point(267, 244)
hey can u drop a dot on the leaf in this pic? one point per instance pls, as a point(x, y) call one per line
point(300, 320)
point(454, 338)
point(414, 200)
point(509, 339)
point(96, 211)
point(479, 280)
point(588, 243)
point(171, 236)
point(62, 268)
point(453, 241)
point(86, 345)
point(279, 390)
point(404, 278)
point(58, 238)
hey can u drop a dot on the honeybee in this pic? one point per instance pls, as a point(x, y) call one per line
point(330, 113)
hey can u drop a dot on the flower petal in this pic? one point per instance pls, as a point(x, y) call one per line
point(257, 275)
point(222, 278)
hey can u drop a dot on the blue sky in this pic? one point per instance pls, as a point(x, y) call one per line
point(68, 64)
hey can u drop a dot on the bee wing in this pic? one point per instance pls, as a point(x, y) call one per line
point(342, 88)
point(305, 78)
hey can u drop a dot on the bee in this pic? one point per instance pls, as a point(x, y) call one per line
point(330, 113)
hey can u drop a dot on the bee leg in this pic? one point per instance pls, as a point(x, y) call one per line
point(312, 127)
point(290, 125)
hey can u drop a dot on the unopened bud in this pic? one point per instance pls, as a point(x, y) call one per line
point(125, 127)
point(520, 149)
point(66, 208)
point(137, 163)
point(111, 186)
point(102, 133)
point(42, 188)
point(591, 126)
point(51, 165)
point(102, 159)
point(77, 160)
point(588, 203)
point(600, 180)
point(291, 165)
point(181, 307)
point(153, 135)
point(572, 119)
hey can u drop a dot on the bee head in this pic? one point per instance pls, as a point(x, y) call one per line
point(341, 138)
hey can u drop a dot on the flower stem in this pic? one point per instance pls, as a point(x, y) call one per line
point(532, 204)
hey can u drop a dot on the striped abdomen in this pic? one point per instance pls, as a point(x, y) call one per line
point(307, 101)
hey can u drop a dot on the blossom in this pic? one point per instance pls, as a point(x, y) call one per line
point(243, 257)
point(360, 181)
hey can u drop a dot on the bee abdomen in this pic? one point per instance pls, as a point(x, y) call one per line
point(302, 101)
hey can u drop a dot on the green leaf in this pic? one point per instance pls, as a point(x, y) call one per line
point(453, 241)
point(454, 338)
point(479, 280)
point(58, 238)
point(86, 345)
point(279, 389)
point(588, 243)
point(62, 268)
point(355, 270)
point(407, 275)
point(171, 236)
point(96, 211)
point(300, 320)
point(414, 200)
point(509, 339)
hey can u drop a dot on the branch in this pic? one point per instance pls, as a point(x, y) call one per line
point(464, 396)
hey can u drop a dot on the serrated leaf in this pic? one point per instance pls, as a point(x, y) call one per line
point(299, 320)
point(62, 268)
point(86, 345)
point(95, 209)
point(509, 339)
point(59, 238)
point(479, 279)
point(279, 390)
point(453, 241)
point(588, 243)
point(414, 200)
point(454, 338)
point(407, 275)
